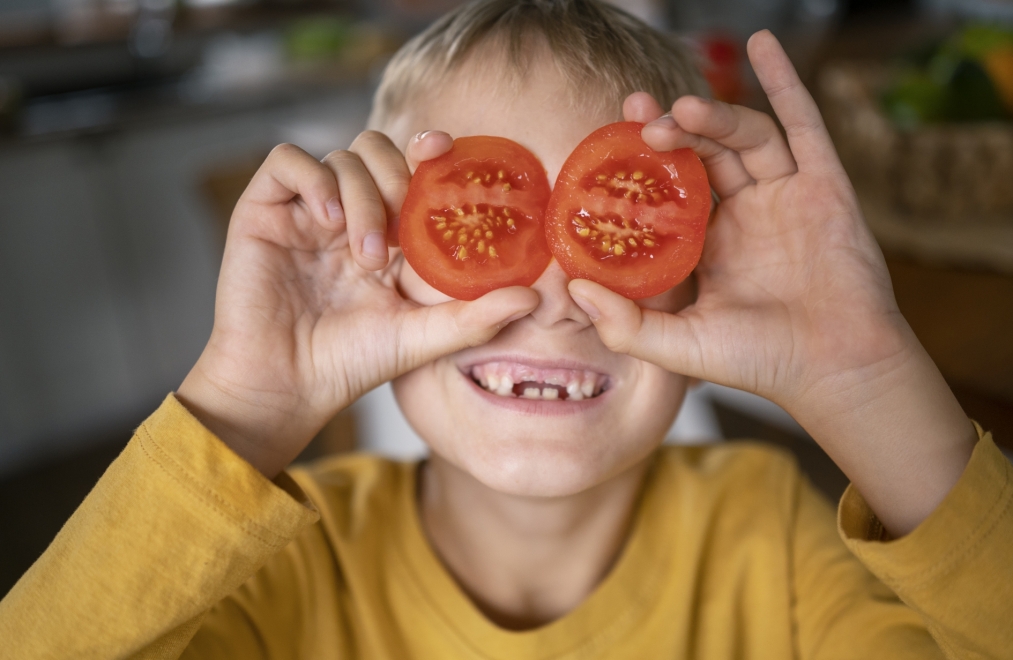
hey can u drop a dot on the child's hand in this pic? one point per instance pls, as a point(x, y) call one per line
point(795, 301)
point(307, 315)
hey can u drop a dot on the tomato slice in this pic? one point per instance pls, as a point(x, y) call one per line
point(472, 219)
point(626, 216)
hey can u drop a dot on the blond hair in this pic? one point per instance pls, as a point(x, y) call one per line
point(603, 53)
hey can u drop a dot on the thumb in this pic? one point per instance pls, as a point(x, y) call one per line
point(667, 340)
point(432, 332)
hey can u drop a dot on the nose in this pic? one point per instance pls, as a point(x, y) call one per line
point(556, 306)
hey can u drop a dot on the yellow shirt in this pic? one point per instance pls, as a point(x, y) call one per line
point(184, 550)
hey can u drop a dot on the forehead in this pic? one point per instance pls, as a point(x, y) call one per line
point(483, 97)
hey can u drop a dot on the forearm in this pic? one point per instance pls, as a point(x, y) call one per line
point(896, 430)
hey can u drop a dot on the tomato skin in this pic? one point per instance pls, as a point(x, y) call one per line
point(472, 220)
point(628, 217)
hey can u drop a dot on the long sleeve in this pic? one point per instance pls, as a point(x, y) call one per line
point(841, 610)
point(956, 568)
point(177, 522)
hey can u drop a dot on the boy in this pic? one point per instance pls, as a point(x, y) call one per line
point(542, 528)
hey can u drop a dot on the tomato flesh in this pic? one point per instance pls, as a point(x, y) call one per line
point(472, 219)
point(626, 216)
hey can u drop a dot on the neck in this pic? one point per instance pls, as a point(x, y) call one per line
point(526, 561)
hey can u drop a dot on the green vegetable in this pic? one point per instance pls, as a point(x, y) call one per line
point(951, 81)
point(319, 37)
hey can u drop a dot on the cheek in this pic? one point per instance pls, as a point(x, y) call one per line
point(416, 289)
point(422, 397)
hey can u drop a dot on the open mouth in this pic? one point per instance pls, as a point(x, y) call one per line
point(512, 379)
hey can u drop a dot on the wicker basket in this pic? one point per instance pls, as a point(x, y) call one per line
point(947, 173)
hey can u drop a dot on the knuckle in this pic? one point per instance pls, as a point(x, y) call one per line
point(284, 150)
point(369, 139)
point(339, 157)
point(396, 180)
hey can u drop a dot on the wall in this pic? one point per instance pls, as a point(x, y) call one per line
point(108, 261)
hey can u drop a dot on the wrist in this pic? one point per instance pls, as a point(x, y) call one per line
point(896, 431)
point(266, 429)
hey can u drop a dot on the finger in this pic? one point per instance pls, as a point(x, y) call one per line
point(750, 133)
point(432, 332)
point(387, 167)
point(666, 340)
point(426, 146)
point(725, 170)
point(792, 103)
point(365, 216)
point(641, 107)
point(289, 172)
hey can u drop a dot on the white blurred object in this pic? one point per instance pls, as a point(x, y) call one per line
point(382, 429)
point(754, 406)
point(237, 63)
point(696, 422)
point(324, 127)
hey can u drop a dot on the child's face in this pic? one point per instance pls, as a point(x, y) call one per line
point(518, 445)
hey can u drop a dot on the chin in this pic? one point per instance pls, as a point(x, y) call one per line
point(545, 466)
point(539, 448)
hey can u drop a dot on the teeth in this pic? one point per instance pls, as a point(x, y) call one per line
point(545, 384)
point(573, 392)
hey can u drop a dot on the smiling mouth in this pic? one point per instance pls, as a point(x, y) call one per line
point(513, 379)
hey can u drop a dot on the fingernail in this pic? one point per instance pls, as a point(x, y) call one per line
point(664, 121)
point(334, 210)
point(421, 136)
point(586, 305)
point(374, 246)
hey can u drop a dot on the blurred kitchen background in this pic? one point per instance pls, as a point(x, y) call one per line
point(128, 129)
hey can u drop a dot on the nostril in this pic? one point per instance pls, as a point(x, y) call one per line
point(555, 304)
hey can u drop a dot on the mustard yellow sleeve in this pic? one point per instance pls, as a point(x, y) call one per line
point(177, 522)
point(842, 611)
point(956, 568)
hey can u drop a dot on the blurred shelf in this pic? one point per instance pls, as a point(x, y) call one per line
point(44, 29)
